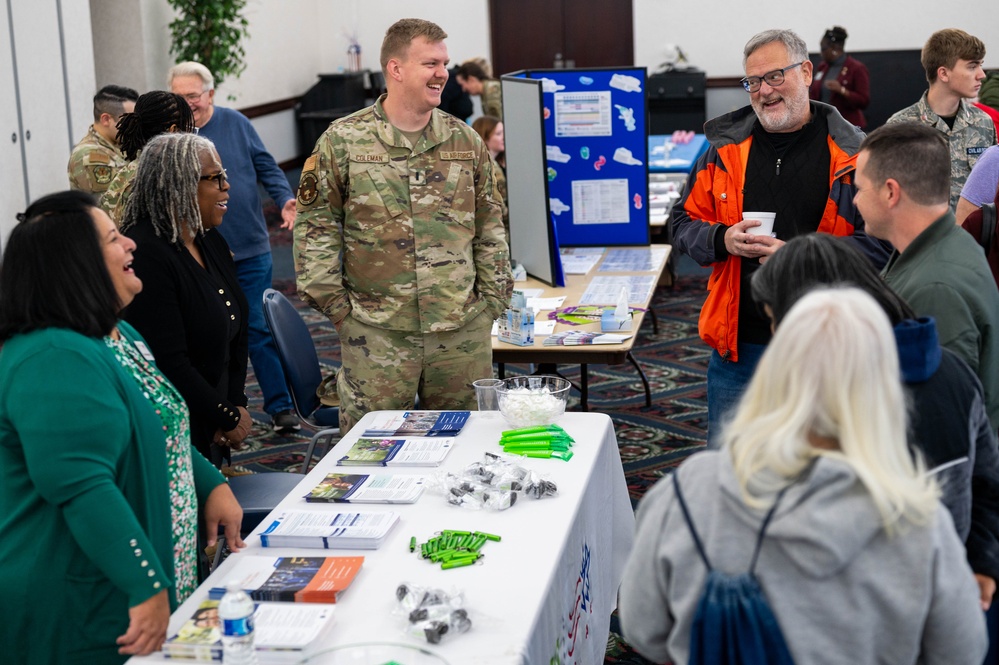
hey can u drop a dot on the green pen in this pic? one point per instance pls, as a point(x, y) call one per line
point(551, 445)
point(526, 430)
point(565, 455)
point(535, 435)
point(412, 544)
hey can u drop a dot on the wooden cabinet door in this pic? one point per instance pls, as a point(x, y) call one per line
point(542, 34)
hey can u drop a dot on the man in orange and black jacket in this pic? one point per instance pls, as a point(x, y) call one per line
point(782, 154)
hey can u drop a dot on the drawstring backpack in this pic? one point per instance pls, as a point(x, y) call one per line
point(734, 624)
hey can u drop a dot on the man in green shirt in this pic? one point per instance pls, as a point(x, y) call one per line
point(903, 188)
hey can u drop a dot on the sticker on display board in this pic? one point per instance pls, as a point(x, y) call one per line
point(555, 154)
point(638, 201)
point(548, 113)
point(552, 174)
point(551, 85)
point(584, 152)
point(624, 156)
point(626, 83)
point(557, 206)
point(586, 80)
point(601, 160)
point(627, 115)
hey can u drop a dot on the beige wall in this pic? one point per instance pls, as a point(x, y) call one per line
point(713, 32)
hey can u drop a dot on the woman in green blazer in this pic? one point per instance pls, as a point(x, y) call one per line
point(100, 490)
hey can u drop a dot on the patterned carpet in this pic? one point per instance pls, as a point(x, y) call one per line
point(652, 440)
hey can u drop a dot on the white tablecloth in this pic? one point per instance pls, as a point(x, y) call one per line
point(542, 595)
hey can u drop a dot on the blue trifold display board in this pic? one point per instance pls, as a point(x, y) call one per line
point(596, 143)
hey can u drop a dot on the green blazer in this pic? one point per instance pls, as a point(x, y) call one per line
point(85, 523)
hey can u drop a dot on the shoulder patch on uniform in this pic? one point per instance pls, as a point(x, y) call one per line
point(308, 188)
point(102, 173)
point(98, 157)
point(310, 164)
point(363, 157)
point(457, 154)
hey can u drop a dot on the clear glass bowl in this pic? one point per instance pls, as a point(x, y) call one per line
point(527, 401)
point(374, 653)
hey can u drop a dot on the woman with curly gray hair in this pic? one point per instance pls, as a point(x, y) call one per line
point(191, 311)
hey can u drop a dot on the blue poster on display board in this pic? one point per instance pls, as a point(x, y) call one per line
point(596, 143)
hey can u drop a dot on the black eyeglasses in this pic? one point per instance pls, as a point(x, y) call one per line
point(221, 178)
point(773, 79)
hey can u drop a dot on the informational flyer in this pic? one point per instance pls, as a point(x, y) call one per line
point(633, 260)
point(600, 201)
point(605, 289)
point(585, 113)
point(580, 260)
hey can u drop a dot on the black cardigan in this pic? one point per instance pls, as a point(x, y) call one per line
point(195, 321)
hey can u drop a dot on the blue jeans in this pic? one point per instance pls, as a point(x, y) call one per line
point(255, 275)
point(727, 381)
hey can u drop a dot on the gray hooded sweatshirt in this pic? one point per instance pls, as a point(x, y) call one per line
point(842, 590)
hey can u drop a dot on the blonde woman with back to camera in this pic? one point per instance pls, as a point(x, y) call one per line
point(860, 562)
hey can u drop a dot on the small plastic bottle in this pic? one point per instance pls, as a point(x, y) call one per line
point(236, 614)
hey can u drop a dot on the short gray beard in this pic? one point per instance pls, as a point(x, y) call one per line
point(796, 106)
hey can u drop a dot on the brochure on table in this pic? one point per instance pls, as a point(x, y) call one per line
point(328, 530)
point(363, 488)
point(301, 579)
point(283, 632)
point(596, 144)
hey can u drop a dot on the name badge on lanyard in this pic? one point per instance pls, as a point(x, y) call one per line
point(144, 350)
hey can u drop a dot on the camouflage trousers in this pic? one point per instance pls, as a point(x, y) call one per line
point(384, 369)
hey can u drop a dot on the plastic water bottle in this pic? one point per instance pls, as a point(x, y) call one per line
point(236, 614)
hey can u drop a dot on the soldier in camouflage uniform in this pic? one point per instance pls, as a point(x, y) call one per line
point(113, 200)
point(953, 63)
point(475, 80)
point(96, 158)
point(400, 242)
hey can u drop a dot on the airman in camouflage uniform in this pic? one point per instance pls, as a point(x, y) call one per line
point(400, 241)
point(114, 199)
point(953, 62)
point(95, 159)
point(972, 134)
point(93, 163)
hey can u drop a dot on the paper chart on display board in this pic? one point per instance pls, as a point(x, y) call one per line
point(600, 201)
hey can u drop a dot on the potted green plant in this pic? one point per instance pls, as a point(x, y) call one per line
point(210, 32)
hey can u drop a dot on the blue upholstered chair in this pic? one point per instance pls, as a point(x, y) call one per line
point(297, 353)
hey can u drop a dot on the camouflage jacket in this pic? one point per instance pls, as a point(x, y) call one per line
point(114, 199)
point(93, 163)
point(973, 133)
point(401, 237)
point(492, 99)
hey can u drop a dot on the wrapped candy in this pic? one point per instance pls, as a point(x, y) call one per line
point(432, 613)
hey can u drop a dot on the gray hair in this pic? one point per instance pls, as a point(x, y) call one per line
point(797, 50)
point(191, 68)
point(165, 187)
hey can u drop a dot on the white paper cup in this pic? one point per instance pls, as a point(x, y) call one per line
point(766, 220)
